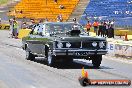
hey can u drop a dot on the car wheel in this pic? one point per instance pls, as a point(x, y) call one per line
point(96, 60)
point(29, 55)
point(50, 58)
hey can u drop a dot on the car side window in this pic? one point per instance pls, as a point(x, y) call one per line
point(35, 32)
point(40, 29)
point(67, 27)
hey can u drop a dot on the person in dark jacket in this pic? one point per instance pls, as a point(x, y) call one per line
point(104, 29)
point(55, 1)
point(111, 29)
point(101, 31)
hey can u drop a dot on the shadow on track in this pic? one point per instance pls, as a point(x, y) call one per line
point(76, 64)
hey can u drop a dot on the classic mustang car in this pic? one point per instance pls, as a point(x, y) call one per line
point(63, 41)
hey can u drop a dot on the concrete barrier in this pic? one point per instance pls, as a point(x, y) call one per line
point(121, 32)
point(120, 48)
point(129, 37)
point(23, 33)
point(111, 48)
point(127, 50)
point(4, 27)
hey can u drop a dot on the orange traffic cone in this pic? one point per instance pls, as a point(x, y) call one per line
point(86, 74)
point(83, 72)
point(126, 39)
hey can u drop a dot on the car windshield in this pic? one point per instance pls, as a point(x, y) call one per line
point(63, 27)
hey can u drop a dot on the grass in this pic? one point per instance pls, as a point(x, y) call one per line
point(3, 1)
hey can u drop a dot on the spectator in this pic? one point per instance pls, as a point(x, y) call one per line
point(21, 12)
point(112, 26)
point(111, 29)
point(0, 20)
point(11, 25)
point(61, 7)
point(59, 18)
point(46, 20)
point(13, 34)
point(105, 28)
point(41, 21)
point(55, 1)
point(15, 29)
point(101, 31)
point(74, 20)
point(88, 26)
point(95, 25)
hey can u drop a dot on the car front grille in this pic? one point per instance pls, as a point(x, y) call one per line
point(89, 45)
point(75, 44)
point(83, 45)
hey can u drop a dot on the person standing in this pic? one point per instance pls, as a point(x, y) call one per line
point(112, 28)
point(11, 26)
point(13, 34)
point(55, 1)
point(15, 29)
point(0, 20)
point(95, 25)
point(104, 28)
point(59, 18)
point(88, 26)
point(101, 31)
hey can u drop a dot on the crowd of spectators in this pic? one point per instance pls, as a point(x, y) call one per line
point(104, 28)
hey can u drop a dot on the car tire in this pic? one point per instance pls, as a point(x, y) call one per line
point(96, 60)
point(50, 59)
point(29, 55)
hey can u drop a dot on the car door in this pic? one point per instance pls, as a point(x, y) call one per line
point(36, 43)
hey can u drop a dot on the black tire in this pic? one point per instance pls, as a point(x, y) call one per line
point(29, 55)
point(96, 60)
point(50, 58)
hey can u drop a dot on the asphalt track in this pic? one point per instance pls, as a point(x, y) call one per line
point(16, 72)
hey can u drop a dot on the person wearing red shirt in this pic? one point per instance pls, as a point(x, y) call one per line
point(95, 25)
point(88, 26)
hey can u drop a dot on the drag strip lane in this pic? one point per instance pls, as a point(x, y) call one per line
point(71, 72)
point(36, 74)
point(78, 64)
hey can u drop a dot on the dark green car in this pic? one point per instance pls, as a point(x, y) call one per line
point(63, 41)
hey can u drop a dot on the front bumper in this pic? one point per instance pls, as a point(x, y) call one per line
point(79, 52)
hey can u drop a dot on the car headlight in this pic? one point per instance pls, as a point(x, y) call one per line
point(68, 45)
point(101, 44)
point(59, 45)
point(94, 44)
